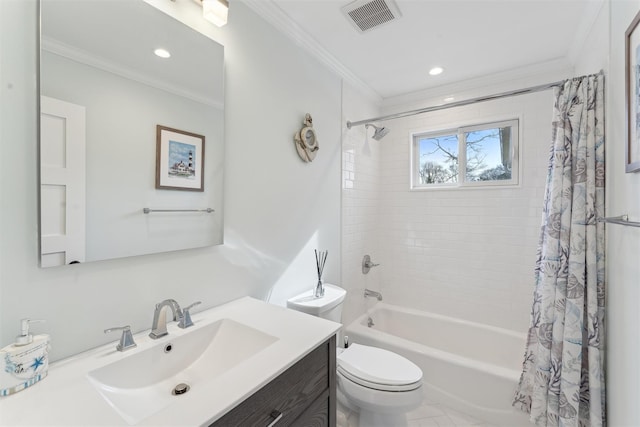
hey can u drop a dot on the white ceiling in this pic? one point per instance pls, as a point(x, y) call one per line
point(470, 39)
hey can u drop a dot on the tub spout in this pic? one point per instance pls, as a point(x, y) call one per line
point(370, 293)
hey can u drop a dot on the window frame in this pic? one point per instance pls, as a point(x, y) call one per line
point(513, 123)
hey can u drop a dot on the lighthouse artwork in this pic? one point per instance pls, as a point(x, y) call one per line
point(179, 160)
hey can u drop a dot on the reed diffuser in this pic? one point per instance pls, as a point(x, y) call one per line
point(321, 259)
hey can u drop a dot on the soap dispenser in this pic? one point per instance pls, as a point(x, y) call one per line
point(25, 362)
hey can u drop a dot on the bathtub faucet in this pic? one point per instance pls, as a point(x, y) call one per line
point(369, 293)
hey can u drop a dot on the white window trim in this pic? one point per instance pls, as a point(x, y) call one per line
point(462, 154)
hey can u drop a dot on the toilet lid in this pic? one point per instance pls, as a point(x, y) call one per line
point(378, 368)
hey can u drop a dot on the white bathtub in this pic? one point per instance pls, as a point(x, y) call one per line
point(467, 366)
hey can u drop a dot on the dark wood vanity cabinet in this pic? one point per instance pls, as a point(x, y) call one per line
point(302, 396)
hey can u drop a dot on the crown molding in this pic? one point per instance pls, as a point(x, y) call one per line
point(540, 73)
point(270, 12)
point(78, 55)
point(589, 18)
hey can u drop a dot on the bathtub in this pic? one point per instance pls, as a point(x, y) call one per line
point(470, 367)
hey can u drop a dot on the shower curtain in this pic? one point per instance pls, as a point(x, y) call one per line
point(562, 382)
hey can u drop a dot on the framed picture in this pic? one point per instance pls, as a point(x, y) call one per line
point(179, 160)
point(632, 101)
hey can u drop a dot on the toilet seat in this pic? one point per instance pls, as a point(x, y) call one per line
point(378, 369)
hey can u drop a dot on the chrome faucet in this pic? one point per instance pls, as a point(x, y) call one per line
point(370, 293)
point(159, 326)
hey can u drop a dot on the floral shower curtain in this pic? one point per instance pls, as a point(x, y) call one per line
point(562, 382)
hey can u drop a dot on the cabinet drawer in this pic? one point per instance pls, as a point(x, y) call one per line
point(290, 394)
point(316, 415)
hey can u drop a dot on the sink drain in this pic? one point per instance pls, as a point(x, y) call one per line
point(181, 388)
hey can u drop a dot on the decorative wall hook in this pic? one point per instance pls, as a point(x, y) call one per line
point(306, 141)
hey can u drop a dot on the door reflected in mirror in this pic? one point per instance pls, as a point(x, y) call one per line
point(104, 91)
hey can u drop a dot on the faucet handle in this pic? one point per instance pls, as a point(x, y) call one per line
point(186, 321)
point(367, 264)
point(126, 339)
point(189, 307)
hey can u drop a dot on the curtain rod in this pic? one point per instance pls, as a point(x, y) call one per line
point(620, 220)
point(458, 103)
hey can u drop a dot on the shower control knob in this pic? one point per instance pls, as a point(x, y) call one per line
point(367, 264)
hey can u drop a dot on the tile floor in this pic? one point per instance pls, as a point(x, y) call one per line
point(430, 414)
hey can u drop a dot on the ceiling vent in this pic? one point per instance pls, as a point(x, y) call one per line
point(366, 15)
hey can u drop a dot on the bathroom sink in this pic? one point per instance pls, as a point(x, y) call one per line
point(146, 380)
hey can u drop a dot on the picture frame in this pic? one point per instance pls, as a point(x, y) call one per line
point(179, 160)
point(632, 95)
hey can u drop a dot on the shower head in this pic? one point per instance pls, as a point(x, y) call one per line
point(379, 133)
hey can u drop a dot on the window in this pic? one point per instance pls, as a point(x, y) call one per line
point(488, 153)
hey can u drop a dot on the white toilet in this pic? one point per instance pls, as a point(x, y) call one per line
point(379, 384)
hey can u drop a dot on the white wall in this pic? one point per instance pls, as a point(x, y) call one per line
point(360, 202)
point(277, 208)
point(604, 49)
point(623, 243)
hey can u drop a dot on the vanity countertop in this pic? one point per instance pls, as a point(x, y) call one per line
point(67, 396)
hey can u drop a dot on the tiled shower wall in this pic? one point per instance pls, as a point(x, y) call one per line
point(468, 253)
point(360, 200)
point(465, 253)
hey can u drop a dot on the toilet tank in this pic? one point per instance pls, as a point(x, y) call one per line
point(328, 306)
point(334, 314)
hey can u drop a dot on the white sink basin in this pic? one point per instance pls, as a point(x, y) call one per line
point(141, 383)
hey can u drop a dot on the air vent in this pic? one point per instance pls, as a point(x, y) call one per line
point(366, 15)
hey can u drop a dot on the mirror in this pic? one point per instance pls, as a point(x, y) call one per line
point(105, 96)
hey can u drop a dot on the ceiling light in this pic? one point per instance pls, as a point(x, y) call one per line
point(215, 11)
point(435, 71)
point(449, 99)
point(162, 53)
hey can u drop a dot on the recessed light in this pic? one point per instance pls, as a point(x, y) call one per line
point(449, 99)
point(162, 53)
point(435, 71)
